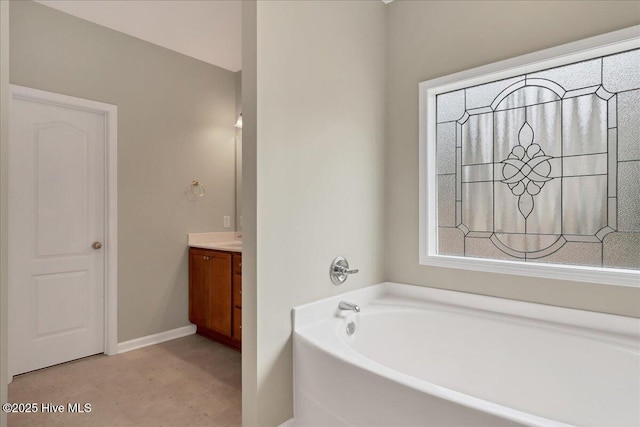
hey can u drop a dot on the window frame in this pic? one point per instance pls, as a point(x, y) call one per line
point(606, 44)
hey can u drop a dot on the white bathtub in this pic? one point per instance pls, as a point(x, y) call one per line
point(427, 357)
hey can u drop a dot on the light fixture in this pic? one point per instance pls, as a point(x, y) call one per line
point(239, 122)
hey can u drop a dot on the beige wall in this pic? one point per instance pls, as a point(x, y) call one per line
point(175, 124)
point(319, 163)
point(4, 142)
point(431, 39)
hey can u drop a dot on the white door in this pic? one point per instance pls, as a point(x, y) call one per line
point(56, 225)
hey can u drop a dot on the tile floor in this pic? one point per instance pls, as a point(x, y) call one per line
point(190, 381)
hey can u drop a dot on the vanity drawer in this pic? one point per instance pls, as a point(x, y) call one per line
point(237, 324)
point(237, 263)
point(237, 290)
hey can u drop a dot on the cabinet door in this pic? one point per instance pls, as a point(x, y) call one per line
point(200, 285)
point(220, 294)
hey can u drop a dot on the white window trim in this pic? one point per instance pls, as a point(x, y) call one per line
point(605, 44)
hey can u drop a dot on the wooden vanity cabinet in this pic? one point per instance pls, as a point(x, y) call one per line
point(214, 282)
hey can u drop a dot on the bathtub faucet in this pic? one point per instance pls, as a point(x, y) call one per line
point(345, 305)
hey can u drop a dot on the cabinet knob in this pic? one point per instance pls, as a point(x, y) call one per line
point(239, 264)
point(240, 326)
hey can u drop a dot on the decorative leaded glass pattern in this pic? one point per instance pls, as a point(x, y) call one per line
point(543, 167)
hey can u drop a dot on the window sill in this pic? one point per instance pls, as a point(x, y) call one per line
point(609, 276)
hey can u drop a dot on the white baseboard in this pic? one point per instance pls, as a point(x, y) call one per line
point(289, 423)
point(172, 334)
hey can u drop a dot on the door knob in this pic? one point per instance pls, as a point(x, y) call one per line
point(96, 245)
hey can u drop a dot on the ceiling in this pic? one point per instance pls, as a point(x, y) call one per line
point(203, 29)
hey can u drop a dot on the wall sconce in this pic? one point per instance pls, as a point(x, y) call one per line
point(239, 122)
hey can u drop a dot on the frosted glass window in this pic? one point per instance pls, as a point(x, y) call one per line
point(543, 166)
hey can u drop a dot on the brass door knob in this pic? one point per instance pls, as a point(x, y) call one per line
point(96, 245)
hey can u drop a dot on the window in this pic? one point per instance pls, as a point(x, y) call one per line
point(535, 168)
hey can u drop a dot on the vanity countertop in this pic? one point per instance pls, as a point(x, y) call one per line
point(223, 241)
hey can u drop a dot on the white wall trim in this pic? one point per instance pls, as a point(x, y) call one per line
point(111, 271)
point(141, 342)
point(616, 41)
point(5, 378)
point(110, 113)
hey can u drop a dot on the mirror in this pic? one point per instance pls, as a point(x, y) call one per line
point(239, 153)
